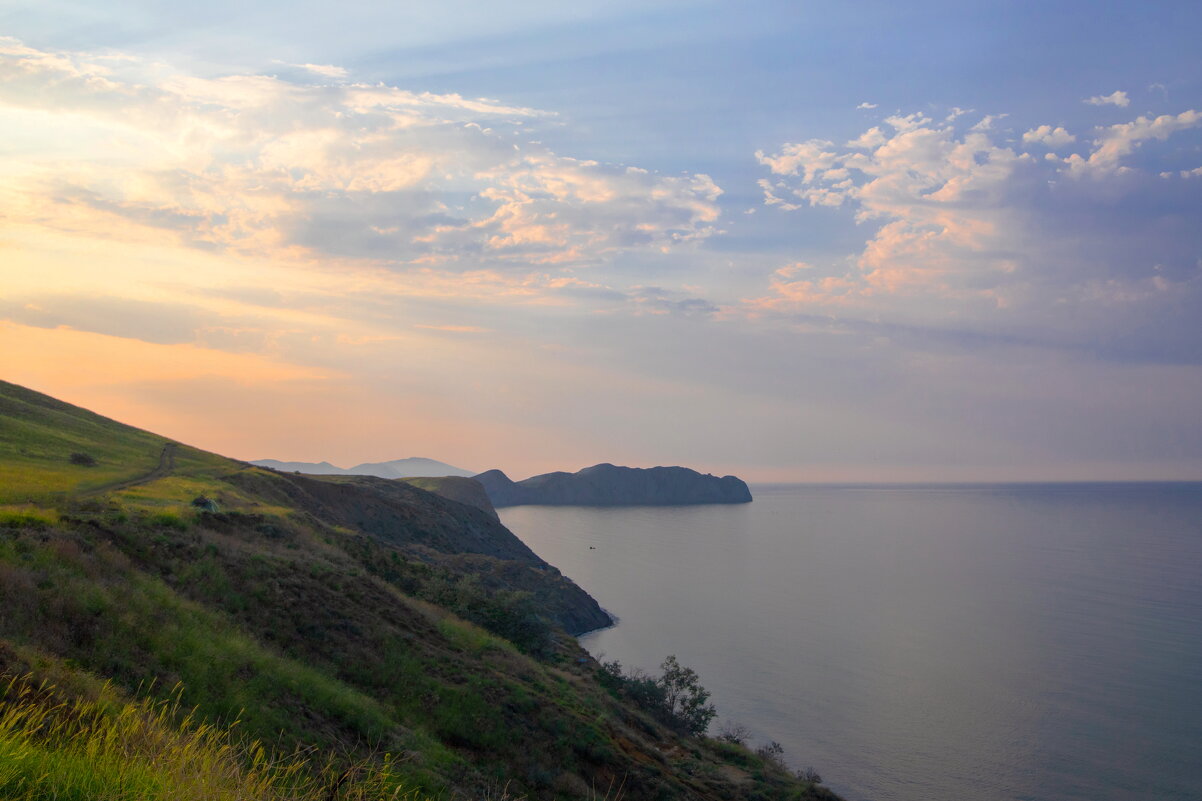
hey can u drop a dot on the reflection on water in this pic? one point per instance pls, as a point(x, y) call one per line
point(989, 642)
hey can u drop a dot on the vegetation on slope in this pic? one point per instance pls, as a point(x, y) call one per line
point(326, 616)
point(110, 748)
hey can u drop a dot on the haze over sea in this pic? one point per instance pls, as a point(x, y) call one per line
point(922, 642)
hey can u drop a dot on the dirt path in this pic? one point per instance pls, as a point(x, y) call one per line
point(166, 465)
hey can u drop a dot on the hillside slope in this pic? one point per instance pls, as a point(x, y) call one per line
point(350, 616)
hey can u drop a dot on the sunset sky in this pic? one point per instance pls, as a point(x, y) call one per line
point(788, 240)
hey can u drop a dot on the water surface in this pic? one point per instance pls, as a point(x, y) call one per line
point(961, 643)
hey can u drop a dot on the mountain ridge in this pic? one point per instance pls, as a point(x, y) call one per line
point(409, 467)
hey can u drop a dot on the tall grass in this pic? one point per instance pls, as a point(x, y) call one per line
point(122, 750)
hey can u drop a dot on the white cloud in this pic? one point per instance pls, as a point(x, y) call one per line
point(932, 189)
point(1047, 135)
point(1118, 141)
point(326, 70)
point(1116, 98)
point(986, 122)
point(866, 105)
point(261, 165)
point(908, 122)
point(810, 158)
point(967, 228)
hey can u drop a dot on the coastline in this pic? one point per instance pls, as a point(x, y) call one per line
point(614, 620)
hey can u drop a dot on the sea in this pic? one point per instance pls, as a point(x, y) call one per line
point(958, 643)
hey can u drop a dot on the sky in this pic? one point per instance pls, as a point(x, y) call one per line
point(811, 241)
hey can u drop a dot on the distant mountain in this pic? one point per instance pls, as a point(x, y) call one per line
point(610, 485)
point(310, 468)
point(413, 467)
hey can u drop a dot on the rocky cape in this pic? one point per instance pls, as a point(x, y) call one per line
point(611, 485)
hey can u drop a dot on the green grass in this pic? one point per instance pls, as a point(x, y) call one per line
point(27, 516)
point(125, 624)
point(144, 750)
point(472, 638)
point(38, 436)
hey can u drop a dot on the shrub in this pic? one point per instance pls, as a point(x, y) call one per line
point(685, 697)
point(773, 752)
point(734, 733)
point(809, 775)
point(83, 459)
point(676, 698)
point(205, 504)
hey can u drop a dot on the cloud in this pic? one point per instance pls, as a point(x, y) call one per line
point(119, 317)
point(1116, 98)
point(660, 301)
point(969, 231)
point(1118, 141)
point(866, 105)
point(259, 165)
point(1047, 135)
point(454, 329)
point(986, 122)
point(325, 70)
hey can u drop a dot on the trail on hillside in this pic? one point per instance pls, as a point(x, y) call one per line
point(166, 465)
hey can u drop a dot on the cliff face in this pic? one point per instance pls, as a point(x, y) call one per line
point(610, 485)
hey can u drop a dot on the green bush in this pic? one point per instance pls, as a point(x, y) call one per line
point(676, 698)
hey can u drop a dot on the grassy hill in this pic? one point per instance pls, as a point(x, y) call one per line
point(165, 608)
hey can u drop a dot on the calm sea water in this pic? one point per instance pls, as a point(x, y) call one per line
point(958, 643)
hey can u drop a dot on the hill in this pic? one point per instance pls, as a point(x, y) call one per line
point(412, 467)
point(457, 488)
point(403, 642)
point(609, 485)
